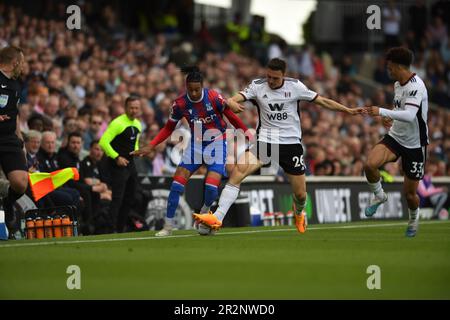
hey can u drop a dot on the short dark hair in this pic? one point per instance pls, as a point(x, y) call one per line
point(9, 54)
point(94, 142)
point(131, 98)
point(277, 65)
point(74, 134)
point(400, 55)
point(35, 117)
point(67, 119)
point(193, 74)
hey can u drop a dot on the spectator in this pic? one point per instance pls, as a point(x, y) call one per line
point(158, 160)
point(24, 114)
point(205, 38)
point(306, 62)
point(68, 157)
point(445, 50)
point(32, 145)
point(274, 50)
point(437, 33)
point(418, 18)
point(431, 195)
point(36, 122)
point(93, 130)
point(47, 162)
point(391, 24)
point(94, 173)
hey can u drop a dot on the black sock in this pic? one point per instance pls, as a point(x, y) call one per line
point(13, 196)
point(8, 205)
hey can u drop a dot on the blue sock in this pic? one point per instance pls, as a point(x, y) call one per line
point(211, 194)
point(176, 190)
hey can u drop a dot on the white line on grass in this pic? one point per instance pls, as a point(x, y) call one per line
point(360, 226)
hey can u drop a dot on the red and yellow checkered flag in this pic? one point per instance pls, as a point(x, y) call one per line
point(42, 183)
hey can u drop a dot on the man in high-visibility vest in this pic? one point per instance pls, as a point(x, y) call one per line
point(119, 140)
point(237, 33)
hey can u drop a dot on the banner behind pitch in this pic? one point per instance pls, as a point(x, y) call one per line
point(328, 201)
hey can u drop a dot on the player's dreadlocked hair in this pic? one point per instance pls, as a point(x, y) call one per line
point(193, 74)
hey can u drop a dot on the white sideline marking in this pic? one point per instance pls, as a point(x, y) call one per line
point(33, 244)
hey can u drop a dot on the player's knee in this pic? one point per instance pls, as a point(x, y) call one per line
point(301, 196)
point(367, 166)
point(240, 168)
point(370, 166)
point(411, 197)
point(20, 184)
point(238, 175)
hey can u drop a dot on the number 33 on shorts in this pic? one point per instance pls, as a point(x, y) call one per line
point(417, 168)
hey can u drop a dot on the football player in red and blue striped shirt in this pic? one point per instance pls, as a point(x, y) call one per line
point(204, 109)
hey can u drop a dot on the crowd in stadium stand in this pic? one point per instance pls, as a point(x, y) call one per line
point(77, 81)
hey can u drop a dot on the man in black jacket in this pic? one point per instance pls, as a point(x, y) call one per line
point(94, 172)
point(47, 162)
point(68, 157)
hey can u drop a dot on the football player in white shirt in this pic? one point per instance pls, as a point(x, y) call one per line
point(277, 99)
point(407, 138)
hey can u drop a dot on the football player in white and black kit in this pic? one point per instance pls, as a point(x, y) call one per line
point(407, 137)
point(277, 99)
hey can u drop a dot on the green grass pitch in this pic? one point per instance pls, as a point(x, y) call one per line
point(327, 262)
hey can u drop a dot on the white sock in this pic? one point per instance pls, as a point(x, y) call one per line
point(168, 222)
point(204, 209)
point(227, 198)
point(413, 214)
point(377, 189)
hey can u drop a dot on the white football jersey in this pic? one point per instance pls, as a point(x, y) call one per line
point(278, 109)
point(413, 93)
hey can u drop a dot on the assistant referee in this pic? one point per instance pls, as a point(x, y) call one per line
point(12, 156)
point(120, 138)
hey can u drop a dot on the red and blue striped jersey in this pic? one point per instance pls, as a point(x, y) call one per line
point(207, 111)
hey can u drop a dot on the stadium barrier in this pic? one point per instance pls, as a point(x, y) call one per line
point(330, 200)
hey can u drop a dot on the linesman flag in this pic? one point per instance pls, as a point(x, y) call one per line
point(42, 183)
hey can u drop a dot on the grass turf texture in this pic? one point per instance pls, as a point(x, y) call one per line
point(328, 262)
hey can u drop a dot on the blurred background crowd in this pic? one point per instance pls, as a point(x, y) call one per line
point(77, 81)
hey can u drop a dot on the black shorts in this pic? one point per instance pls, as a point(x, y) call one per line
point(288, 156)
point(12, 156)
point(413, 160)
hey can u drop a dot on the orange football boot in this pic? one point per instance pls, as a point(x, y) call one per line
point(300, 222)
point(209, 219)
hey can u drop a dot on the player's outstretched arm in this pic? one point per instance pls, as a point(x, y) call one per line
point(144, 151)
point(336, 106)
point(234, 103)
point(160, 137)
point(235, 120)
point(407, 115)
